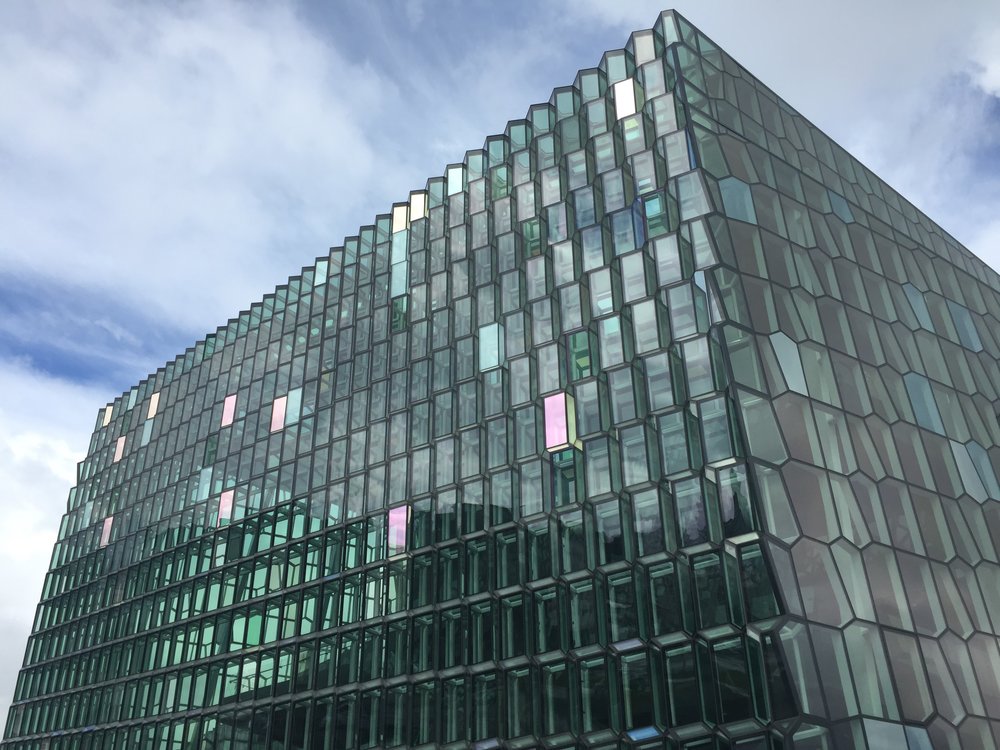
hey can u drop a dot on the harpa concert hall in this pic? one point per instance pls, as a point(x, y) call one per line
point(659, 421)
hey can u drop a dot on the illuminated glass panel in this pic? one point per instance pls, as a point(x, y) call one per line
point(106, 531)
point(399, 520)
point(225, 506)
point(278, 413)
point(154, 403)
point(228, 410)
point(560, 422)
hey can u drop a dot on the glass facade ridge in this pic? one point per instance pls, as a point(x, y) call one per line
point(657, 422)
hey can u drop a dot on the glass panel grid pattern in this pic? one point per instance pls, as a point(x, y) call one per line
point(657, 422)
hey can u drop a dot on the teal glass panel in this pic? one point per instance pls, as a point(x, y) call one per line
point(922, 400)
point(736, 200)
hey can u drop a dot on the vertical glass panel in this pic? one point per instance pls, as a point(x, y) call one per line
point(682, 686)
point(666, 608)
point(293, 406)
point(984, 466)
point(840, 207)
point(674, 443)
point(658, 381)
point(691, 196)
point(512, 630)
point(547, 621)
point(625, 98)
point(787, 353)
point(225, 507)
point(580, 357)
point(710, 591)
point(583, 614)
point(638, 698)
point(594, 695)
point(691, 516)
point(598, 459)
point(967, 471)
point(758, 589)
point(278, 413)
point(716, 430)
point(399, 519)
point(735, 507)
point(916, 299)
point(635, 462)
point(967, 333)
point(645, 326)
point(555, 698)
point(423, 709)
point(394, 718)
point(228, 410)
point(612, 341)
point(732, 680)
point(485, 703)
point(106, 531)
point(925, 409)
point(491, 346)
point(736, 200)
point(622, 607)
point(119, 449)
point(519, 706)
point(610, 541)
point(560, 422)
point(154, 403)
point(698, 367)
point(648, 523)
point(589, 408)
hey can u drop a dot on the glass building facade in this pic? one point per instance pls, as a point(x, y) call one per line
point(657, 422)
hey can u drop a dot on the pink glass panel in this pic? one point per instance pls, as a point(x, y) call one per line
point(556, 429)
point(278, 413)
point(119, 448)
point(106, 531)
point(398, 521)
point(154, 404)
point(225, 506)
point(229, 410)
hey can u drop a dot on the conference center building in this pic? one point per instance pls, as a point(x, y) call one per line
point(657, 422)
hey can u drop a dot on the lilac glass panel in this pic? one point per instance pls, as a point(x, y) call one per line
point(119, 448)
point(106, 531)
point(278, 413)
point(398, 521)
point(225, 507)
point(556, 428)
point(229, 410)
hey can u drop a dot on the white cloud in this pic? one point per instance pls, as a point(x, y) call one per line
point(141, 141)
point(986, 70)
point(43, 433)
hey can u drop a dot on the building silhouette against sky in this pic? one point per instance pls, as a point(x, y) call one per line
point(657, 422)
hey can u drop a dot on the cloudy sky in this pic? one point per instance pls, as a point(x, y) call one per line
point(162, 165)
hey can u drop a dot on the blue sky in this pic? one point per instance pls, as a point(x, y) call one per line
point(163, 165)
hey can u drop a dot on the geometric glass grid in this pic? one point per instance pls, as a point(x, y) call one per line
point(659, 421)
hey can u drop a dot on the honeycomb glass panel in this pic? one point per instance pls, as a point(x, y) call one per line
point(659, 421)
